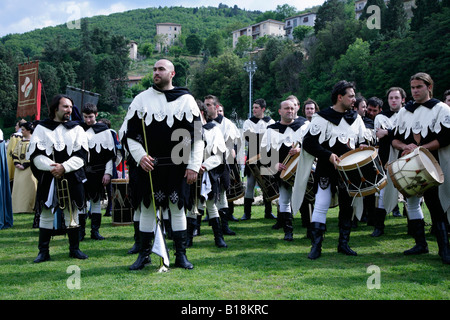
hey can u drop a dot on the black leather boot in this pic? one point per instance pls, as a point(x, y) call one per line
point(230, 212)
point(96, 221)
point(268, 210)
point(179, 241)
point(191, 225)
point(137, 241)
point(82, 223)
point(442, 240)
point(199, 222)
point(145, 249)
point(379, 217)
point(74, 244)
point(345, 228)
point(417, 230)
point(247, 209)
point(287, 226)
point(168, 228)
point(44, 242)
point(218, 235)
point(224, 219)
point(317, 232)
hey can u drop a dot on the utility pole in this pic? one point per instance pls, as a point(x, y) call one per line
point(250, 67)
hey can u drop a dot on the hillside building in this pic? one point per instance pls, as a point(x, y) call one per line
point(265, 28)
point(166, 34)
point(305, 19)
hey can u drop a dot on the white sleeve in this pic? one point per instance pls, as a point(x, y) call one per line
point(109, 168)
point(196, 156)
point(43, 163)
point(136, 149)
point(213, 162)
point(73, 164)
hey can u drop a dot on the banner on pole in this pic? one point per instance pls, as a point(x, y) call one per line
point(28, 100)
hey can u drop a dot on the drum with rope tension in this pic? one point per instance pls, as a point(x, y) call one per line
point(362, 172)
point(267, 182)
point(415, 172)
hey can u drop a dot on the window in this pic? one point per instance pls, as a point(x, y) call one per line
point(305, 19)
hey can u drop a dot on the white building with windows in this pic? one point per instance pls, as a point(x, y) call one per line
point(166, 34)
point(305, 19)
point(265, 28)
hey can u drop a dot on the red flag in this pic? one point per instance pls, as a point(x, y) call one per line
point(38, 101)
point(28, 89)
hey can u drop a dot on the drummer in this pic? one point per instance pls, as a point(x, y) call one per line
point(425, 122)
point(254, 129)
point(282, 140)
point(331, 133)
point(385, 122)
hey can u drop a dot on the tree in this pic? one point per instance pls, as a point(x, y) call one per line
point(423, 9)
point(394, 21)
point(328, 12)
point(194, 44)
point(215, 44)
point(8, 93)
point(244, 45)
point(301, 32)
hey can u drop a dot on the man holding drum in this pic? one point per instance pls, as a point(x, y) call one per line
point(282, 141)
point(254, 129)
point(331, 133)
point(425, 122)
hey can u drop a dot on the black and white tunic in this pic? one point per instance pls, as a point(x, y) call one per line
point(101, 152)
point(55, 142)
point(173, 128)
point(253, 131)
point(430, 120)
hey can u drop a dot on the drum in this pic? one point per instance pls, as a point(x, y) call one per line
point(415, 172)
point(362, 172)
point(122, 211)
point(288, 174)
point(236, 189)
point(267, 182)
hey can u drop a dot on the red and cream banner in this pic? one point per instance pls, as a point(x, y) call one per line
point(29, 90)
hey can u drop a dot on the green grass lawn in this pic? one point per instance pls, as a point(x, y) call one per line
point(257, 265)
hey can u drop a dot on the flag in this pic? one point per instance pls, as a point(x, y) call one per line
point(28, 89)
point(159, 245)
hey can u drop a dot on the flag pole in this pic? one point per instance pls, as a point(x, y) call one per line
point(162, 267)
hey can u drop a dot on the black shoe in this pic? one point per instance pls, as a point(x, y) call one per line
point(218, 235)
point(268, 210)
point(377, 232)
point(317, 233)
point(344, 238)
point(137, 241)
point(224, 221)
point(191, 225)
point(44, 242)
point(417, 230)
point(74, 242)
point(143, 258)
point(96, 221)
point(396, 212)
point(442, 240)
point(247, 209)
point(179, 241)
point(286, 221)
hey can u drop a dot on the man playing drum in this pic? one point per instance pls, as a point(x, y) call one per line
point(254, 129)
point(282, 140)
point(425, 122)
point(331, 133)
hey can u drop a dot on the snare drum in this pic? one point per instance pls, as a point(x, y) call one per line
point(267, 183)
point(122, 211)
point(236, 189)
point(415, 172)
point(362, 172)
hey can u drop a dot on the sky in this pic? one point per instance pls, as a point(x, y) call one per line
point(27, 15)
